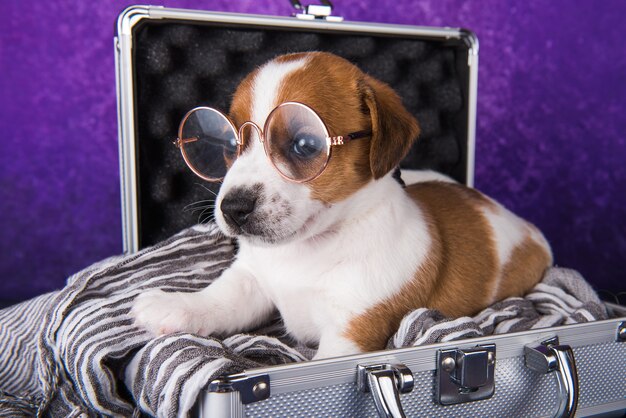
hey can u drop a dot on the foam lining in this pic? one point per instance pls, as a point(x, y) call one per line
point(181, 65)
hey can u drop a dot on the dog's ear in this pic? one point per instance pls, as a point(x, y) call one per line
point(394, 129)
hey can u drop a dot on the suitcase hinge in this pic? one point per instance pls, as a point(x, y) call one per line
point(465, 375)
point(621, 332)
point(250, 388)
point(315, 11)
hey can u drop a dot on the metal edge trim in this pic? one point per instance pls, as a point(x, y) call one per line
point(120, 144)
point(129, 17)
point(302, 376)
point(126, 21)
point(290, 22)
point(471, 40)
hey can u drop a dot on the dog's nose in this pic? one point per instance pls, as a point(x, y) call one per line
point(237, 206)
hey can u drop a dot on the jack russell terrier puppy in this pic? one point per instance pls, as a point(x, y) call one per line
point(326, 235)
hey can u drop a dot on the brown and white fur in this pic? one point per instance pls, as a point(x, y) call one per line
point(343, 258)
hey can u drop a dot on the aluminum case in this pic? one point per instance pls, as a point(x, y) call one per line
point(528, 378)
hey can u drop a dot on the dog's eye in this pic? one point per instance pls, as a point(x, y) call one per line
point(306, 145)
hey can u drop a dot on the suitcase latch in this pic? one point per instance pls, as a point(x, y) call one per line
point(385, 382)
point(551, 357)
point(315, 11)
point(465, 375)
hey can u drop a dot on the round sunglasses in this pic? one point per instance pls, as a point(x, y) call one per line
point(294, 137)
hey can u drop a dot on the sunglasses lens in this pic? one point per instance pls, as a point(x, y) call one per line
point(296, 141)
point(208, 142)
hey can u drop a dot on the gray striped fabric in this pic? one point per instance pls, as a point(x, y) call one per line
point(77, 351)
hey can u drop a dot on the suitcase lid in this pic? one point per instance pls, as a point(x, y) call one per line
point(171, 60)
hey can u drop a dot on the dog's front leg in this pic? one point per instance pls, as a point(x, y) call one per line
point(233, 303)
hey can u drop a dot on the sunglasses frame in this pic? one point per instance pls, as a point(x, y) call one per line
point(331, 141)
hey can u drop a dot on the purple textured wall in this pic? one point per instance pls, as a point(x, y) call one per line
point(551, 125)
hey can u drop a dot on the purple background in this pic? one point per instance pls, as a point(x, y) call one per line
point(550, 138)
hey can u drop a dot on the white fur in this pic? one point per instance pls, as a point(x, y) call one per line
point(266, 86)
point(420, 176)
point(508, 232)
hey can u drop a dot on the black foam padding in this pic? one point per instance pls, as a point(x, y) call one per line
point(182, 65)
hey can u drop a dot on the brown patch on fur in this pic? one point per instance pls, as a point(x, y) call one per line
point(457, 276)
point(524, 269)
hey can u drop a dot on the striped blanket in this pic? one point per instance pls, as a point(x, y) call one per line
point(77, 352)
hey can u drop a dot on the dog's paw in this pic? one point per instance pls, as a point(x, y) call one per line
point(336, 345)
point(165, 313)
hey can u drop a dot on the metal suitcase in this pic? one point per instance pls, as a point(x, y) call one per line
point(577, 370)
point(169, 61)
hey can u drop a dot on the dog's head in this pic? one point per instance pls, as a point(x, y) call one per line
point(255, 201)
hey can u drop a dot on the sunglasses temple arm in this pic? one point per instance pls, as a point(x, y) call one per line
point(359, 134)
point(340, 140)
point(180, 142)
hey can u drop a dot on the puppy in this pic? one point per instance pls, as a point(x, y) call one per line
point(345, 255)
